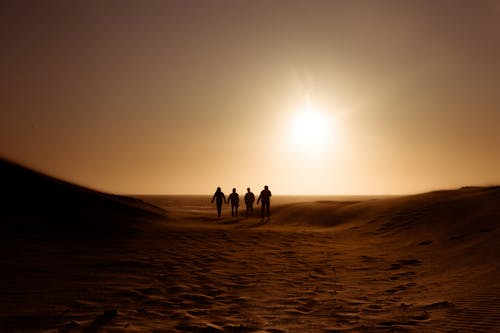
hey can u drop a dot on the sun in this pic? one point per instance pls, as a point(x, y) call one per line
point(310, 128)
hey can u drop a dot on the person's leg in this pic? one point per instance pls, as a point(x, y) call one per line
point(263, 211)
point(219, 208)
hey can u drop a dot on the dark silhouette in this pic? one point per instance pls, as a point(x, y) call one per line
point(33, 203)
point(219, 197)
point(265, 197)
point(234, 200)
point(249, 200)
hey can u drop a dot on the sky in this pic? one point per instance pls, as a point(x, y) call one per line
point(308, 97)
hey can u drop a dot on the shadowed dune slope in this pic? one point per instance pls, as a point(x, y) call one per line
point(31, 201)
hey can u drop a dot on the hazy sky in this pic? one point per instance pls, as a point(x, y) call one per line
point(308, 97)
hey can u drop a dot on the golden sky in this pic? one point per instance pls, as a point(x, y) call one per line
point(308, 97)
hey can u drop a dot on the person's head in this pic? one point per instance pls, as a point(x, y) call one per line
point(266, 188)
point(248, 189)
point(234, 190)
point(218, 189)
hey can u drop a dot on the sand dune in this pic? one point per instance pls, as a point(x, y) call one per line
point(422, 263)
point(31, 201)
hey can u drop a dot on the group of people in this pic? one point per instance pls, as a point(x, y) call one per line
point(234, 200)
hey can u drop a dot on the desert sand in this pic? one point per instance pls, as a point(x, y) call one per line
point(420, 263)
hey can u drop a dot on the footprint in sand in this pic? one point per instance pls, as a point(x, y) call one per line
point(404, 262)
point(401, 288)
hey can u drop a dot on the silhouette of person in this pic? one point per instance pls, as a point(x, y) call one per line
point(249, 200)
point(219, 197)
point(234, 200)
point(265, 197)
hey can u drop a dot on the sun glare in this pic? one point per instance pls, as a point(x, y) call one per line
point(310, 128)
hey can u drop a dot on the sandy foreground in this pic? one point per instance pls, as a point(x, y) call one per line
point(425, 263)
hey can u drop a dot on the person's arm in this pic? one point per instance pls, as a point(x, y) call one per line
point(213, 198)
point(259, 198)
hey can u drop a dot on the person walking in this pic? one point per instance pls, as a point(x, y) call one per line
point(234, 200)
point(265, 197)
point(219, 197)
point(249, 200)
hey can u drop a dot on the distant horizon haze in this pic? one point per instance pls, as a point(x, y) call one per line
point(284, 197)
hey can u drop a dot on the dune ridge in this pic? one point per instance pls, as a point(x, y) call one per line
point(32, 201)
point(452, 211)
